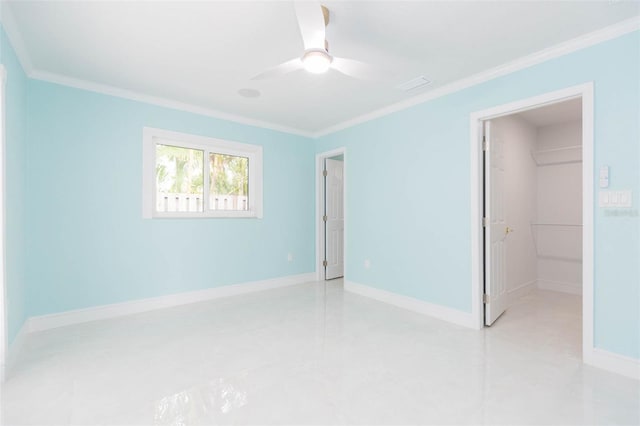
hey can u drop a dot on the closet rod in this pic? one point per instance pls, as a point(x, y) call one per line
point(556, 224)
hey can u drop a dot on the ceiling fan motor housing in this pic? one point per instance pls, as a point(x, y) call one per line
point(316, 60)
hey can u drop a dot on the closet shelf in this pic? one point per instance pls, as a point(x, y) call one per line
point(565, 155)
point(556, 240)
point(555, 224)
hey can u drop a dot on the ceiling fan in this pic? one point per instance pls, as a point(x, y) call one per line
point(312, 20)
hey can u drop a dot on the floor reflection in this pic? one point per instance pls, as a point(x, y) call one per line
point(206, 403)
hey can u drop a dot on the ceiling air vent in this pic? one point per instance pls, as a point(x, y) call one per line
point(414, 84)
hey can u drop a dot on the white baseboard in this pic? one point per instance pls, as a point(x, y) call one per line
point(519, 291)
point(561, 286)
point(77, 316)
point(609, 361)
point(629, 367)
point(440, 312)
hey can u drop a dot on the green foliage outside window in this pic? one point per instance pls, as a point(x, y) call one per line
point(229, 174)
point(179, 170)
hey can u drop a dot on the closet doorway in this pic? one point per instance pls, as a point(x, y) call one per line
point(533, 204)
point(533, 242)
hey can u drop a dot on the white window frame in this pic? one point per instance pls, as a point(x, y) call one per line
point(152, 137)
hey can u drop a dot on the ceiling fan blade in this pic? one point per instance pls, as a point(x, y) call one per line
point(358, 69)
point(279, 70)
point(311, 23)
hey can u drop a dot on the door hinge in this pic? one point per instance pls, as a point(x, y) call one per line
point(484, 222)
point(324, 263)
point(485, 298)
point(324, 218)
point(324, 173)
point(485, 146)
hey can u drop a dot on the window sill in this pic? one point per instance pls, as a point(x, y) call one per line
point(209, 215)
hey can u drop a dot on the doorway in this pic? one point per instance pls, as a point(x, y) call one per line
point(548, 235)
point(330, 236)
point(532, 205)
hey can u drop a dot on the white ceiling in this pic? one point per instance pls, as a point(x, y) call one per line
point(201, 53)
point(561, 112)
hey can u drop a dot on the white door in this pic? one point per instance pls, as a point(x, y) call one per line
point(496, 230)
point(334, 219)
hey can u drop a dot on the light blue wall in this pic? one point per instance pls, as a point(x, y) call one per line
point(15, 116)
point(419, 243)
point(88, 244)
point(76, 235)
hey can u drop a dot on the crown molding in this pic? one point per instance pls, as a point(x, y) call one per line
point(163, 102)
point(575, 44)
point(578, 43)
point(11, 29)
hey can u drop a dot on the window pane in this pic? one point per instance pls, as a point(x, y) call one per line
point(179, 179)
point(229, 182)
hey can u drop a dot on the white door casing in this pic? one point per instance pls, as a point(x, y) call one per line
point(496, 230)
point(590, 354)
point(4, 344)
point(334, 223)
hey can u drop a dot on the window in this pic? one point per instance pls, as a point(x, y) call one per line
point(195, 176)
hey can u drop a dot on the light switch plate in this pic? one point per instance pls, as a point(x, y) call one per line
point(621, 198)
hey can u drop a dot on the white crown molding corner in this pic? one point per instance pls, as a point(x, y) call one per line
point(454, 316)
point(619, 364)
point(575, 44)
point(11, 29)
point(163, 102)
point(46, 322)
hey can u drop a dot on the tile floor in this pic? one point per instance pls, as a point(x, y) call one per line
point(311, 354)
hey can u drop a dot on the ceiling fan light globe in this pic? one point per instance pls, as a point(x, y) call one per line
point(316, 61)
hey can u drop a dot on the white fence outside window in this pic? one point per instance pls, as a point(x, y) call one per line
point(172, 202)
